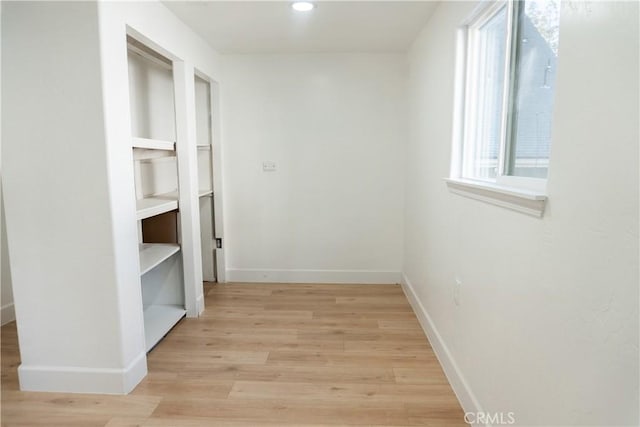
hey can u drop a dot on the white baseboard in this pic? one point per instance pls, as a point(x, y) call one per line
point(83, 380)
point(7, 314)
point(313, 276)
point(460, 387)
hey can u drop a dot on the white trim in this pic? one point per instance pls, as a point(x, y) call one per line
point(454, 375)
point(184, 95)
point(459, 104)
point(155, 205)
point(7, 314)
point(506, 91)
point(153, 144)
point(200, 304)
point(523, 183)
point(83, 380)
point(312, 276)
point(221, 271)
point(525, 201)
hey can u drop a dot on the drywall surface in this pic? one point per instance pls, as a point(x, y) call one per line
point(334, 126)
point(6, 296)
point(152, 104)
point(547, 321)
point(7, 313)
point(55, 187)
point(6, 293)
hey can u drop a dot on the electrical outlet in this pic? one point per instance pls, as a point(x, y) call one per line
point(456, 291)
point(268, 166)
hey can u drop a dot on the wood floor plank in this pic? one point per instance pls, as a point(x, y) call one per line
point(252, 313)
point(205, 328)
point(344, 290)
point(259, 291)
point(314, 374)
point(70, 408)
point(54, 420)
point(388, 346)
point(374, 334)
point(284, 412)
point(411, 324)
point(341, 308)
point(445, 412)
point(363, 315)
point(310, 358)
point(388, 300)
point(339, 392)
point(427, 374)
point(247, 343)
point(184, 387)
point(268, 355)
point(312, 324)
point(175, 359)
point(197, 422)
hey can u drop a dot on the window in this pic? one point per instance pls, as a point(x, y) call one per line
point(510, 53)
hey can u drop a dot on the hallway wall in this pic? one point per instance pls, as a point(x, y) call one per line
point(546, 323)
point(335, 127)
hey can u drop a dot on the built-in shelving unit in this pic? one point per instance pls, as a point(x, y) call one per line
point(154, 155)
point(204, 136)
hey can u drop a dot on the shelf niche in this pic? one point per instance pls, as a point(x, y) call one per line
point(154, 155)
point(204, 137)
point(161, 273)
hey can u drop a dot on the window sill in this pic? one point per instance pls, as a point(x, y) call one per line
point(525, 201)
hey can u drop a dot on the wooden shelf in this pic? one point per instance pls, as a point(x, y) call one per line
point(203, 193)
point(152, 206)
point(153, 144)
point(152, 254)
point(158, 320)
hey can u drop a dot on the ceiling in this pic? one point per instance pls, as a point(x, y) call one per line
point(333, 26)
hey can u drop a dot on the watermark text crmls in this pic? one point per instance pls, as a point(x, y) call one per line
point(491, 418)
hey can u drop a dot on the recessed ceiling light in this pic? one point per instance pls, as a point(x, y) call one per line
point(302, 6)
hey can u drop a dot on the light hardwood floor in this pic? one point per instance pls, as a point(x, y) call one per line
point(267, 354)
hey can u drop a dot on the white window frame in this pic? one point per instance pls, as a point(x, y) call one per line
point(524, 194)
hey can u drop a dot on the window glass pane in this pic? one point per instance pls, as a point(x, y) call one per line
point(486, 72)
point(535, 81)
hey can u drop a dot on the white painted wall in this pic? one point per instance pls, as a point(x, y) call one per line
point(7, 313)
point(547, 324)
point(56, 197)
point(151, 101)
point(335, 126)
